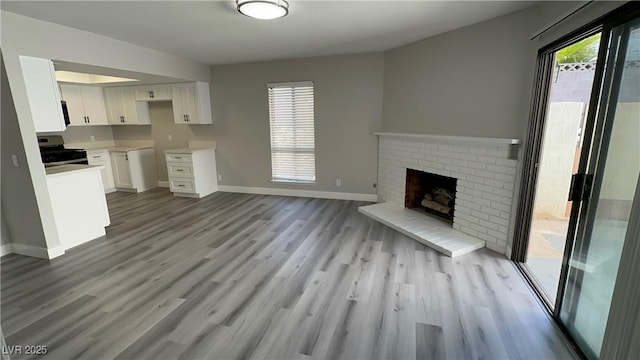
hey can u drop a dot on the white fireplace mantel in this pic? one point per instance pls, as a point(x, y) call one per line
point(454, 139)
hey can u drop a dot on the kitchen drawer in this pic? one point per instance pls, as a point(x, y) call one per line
point(178, 158)
point(180, 170)
point(98, 157)
point(182, 185)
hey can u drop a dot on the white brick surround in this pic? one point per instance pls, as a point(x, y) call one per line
point(486, 178)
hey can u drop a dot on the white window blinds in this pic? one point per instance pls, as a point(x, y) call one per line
point(291, 116)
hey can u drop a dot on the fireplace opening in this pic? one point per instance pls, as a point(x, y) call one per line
point(434, 194)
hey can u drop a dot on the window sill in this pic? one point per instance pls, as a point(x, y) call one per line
point(294, 182)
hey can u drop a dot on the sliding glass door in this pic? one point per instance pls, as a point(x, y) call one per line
point(615, 165)
point(581, 173)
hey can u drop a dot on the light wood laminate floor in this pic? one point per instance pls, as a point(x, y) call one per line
point(250, 276)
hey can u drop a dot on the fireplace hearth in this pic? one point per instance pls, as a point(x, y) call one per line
point(432, 193)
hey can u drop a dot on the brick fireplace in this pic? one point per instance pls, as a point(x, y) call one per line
point(484, 172)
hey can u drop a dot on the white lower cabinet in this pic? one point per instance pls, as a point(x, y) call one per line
point(192, 172)
point(102, 158)
point(134, 170)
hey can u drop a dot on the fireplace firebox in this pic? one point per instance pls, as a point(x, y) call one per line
point(435, 194)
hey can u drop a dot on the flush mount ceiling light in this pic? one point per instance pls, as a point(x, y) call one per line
point(263, 9)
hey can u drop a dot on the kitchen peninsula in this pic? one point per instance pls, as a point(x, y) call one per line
point(79, 203)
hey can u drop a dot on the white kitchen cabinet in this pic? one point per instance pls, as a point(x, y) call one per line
point(123, 109)
point(85, 105)
point(43, 94)
point(158, 92)
point(192, 172)
point(191, 103)
point(134, 170)
point(102, 158)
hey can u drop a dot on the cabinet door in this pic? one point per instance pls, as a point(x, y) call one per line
point(191, 103)
point(129, 105)
point(43, 94)
point(177, 102)
point(103, 158)
point(115, 106)
point(73, 96)
point(121, 171)
point(153, 92)
point(186, 110)
point(94, 106)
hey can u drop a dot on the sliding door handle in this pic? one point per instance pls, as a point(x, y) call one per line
point(580, 187)
point(577, 183)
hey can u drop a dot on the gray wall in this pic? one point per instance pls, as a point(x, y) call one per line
point(348, 101)
point(5, 238)
point(162, 126)
point(474, 81)
point(19, 206)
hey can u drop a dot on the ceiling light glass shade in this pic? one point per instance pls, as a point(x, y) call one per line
point(263, 9)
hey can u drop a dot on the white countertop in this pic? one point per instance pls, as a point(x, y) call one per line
point(118, 149)
point(70, 169)
point(189, 150)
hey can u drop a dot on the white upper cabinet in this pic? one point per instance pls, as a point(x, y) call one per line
point(123, 109)
point(85, 105)
point(160, 92)
point(43, 94)
point(191, 103)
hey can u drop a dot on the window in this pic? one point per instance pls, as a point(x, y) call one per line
point(293, 153)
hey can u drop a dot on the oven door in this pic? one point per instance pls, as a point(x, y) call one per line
point(66, 162)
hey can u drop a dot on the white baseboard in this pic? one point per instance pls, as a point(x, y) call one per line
point(39, 252)
point(299, 193)
point(164, 184)
point(109, 191)
point(5, 249)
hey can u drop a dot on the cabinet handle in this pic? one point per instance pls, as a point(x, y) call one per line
point(184, 117)
point(179, 170)
point(126, 157)
point(187, 117)
point(88, 120)
point(152, 94)
point(97, 157)
point(121, 118)
point(85, 119)
point(179, 157)
point(181, 185)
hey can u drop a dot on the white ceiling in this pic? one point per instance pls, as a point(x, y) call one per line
point(213, 32)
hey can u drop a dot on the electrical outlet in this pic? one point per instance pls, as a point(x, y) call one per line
point(92, 138)
point(170, 137)
point(219, 177)
point(338, 182)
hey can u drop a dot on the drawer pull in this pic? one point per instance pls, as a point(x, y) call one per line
point(180, 185)
point(179, 170)
point(179, 157)
point(97, 157)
